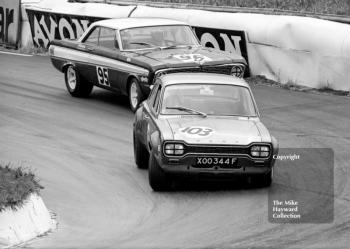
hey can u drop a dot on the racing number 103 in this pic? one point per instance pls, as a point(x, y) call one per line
point(197, 131)
point(102, 75)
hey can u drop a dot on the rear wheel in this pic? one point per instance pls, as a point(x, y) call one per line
point(135, 94)
point(157, 178)
point(140, 154)
point(75, 84)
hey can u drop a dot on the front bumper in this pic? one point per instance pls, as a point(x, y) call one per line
point(187, 167)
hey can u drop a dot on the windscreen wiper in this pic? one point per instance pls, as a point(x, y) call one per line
point(185, 109)
point(145, 44)
point(177, 46)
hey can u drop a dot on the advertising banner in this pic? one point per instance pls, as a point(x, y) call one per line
point(227, 40)
point(9, 21)
point(47, 26)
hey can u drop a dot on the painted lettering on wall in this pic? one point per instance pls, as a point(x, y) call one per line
point(9, 15)
point(46, 26)
point(227, 40)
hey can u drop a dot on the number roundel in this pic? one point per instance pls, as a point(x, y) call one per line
point(102, 76)
point(197, 58)
point(197, 131)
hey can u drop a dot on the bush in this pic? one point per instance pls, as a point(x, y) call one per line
point(15, 186)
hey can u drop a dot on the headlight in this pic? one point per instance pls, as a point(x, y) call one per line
point(174, 149)
point(237, 71)
point(260, 151)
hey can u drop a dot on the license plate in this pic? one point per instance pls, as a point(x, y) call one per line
point(216, 161)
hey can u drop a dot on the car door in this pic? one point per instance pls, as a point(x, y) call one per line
point(107, 71)
point(84, 63)
point(154, 110)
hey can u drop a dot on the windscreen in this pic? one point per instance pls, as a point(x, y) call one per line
point(157, 36)
point(215, 99)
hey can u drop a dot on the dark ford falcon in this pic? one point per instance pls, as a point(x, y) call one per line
point(202, 124)
point(126, 55)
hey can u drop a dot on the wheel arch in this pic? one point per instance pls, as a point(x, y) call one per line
point(128, 82)
point(66, 65)
point(155, 141)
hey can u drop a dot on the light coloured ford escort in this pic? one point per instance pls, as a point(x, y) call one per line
point(126, 55)
point(205, 125)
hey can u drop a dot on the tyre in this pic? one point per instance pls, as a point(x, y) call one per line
point(75, 84)
point(135, 94)
point(140, 154)
point(265, 180)
point(156, 176)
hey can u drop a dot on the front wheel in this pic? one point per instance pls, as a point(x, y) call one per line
point(156, 176)
point(140, 154)
point(75, 84)
point(265, 180)
point(135, 94)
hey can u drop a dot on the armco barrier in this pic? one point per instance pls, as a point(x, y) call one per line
point(299, 50)
point(9, 22)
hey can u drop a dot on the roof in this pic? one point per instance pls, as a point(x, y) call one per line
point(125, 23)
point(202, 78)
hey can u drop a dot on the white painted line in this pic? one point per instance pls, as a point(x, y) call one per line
point(4, 52)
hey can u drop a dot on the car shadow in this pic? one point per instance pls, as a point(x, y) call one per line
point(199, 185)
point(111, 98)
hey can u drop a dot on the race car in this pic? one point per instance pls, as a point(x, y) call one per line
point(126, 55)
point(200, 124)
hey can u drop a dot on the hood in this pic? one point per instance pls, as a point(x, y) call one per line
point(184, 57)
point(210, 130)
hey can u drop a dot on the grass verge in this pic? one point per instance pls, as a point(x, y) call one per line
point(16, 184)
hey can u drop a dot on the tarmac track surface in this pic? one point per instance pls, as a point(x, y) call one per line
point(81, 149)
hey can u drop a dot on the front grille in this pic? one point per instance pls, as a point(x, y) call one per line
point(234, 69)
point(227, 150)
point(218, 69)
point(182, 70)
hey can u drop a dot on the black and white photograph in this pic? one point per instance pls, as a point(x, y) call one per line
point(174, 124)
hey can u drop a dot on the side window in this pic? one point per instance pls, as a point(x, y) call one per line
point(153, 93)
point(107, 38)
point(156, 100)
point(93, 37)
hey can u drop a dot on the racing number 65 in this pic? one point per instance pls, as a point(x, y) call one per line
point(102, 75)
